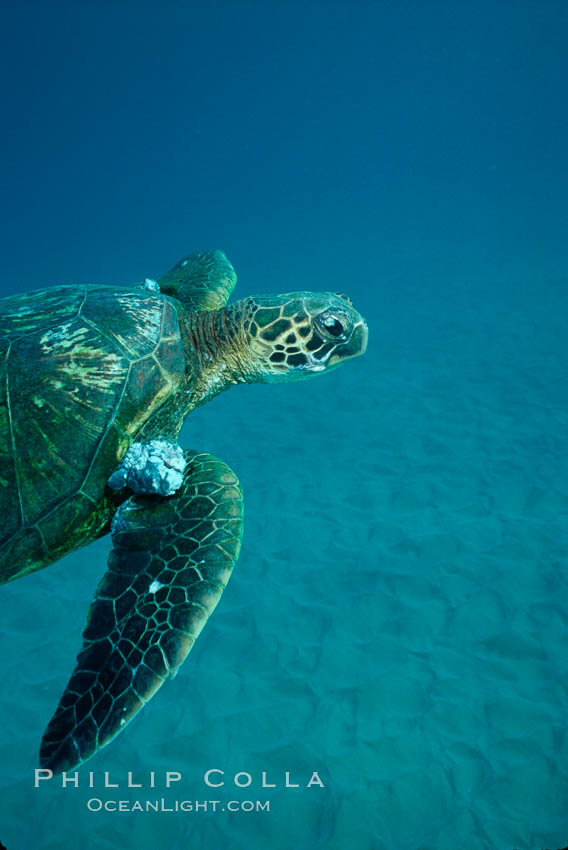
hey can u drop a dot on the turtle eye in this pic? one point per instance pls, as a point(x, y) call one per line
point(331, 325)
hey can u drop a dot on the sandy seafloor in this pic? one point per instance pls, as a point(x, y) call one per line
point(397, 619)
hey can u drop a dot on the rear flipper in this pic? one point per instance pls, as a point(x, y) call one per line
point(171, 560)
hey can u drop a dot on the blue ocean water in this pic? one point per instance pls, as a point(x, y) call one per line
point(397, 619)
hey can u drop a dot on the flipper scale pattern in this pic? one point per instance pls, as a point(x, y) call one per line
point(171, 560)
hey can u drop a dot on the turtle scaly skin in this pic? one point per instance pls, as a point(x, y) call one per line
point(97, 379)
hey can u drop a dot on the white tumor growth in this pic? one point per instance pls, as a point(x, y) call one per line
point(153, 467)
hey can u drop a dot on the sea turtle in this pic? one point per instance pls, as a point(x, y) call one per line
point(95, 383)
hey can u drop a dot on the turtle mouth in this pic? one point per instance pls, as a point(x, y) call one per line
point(356, 345)
point(362, 332)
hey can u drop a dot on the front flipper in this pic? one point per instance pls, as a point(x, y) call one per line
point(202, 281)
point(171, 560)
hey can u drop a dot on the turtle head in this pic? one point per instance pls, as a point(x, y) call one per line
point(301, 334)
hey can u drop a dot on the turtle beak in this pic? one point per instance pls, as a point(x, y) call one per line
point(355, 345)
point(360, 337)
